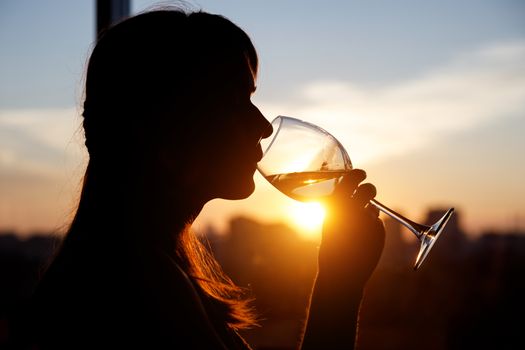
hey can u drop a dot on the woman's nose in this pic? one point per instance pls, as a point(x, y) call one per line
point(268, 129)
point(264, 126)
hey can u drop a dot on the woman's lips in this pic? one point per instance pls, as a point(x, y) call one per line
point(259, 154)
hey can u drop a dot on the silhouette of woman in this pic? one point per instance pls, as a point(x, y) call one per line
point(169, 126)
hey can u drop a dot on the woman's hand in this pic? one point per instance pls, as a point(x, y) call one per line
point(353, 239)
point(353, 236)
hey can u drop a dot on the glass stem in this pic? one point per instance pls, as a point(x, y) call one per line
point(415, 228)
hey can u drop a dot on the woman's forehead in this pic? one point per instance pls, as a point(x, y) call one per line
point(250, 75)
point(241, 75)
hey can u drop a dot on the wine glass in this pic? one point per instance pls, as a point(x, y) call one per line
point(305, 162)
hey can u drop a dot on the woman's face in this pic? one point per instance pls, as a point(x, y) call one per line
point(234, 147)
point(227, 148)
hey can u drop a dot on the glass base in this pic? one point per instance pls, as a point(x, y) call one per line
point(429, 238)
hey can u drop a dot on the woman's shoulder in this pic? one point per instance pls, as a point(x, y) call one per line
point(173, 304)
point(136, 297)
point(162, 278)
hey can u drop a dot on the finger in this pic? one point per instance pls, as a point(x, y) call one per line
point(349, 183)
point(364, 193)
point(372, 210)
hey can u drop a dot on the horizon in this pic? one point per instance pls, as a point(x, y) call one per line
point(312, 235)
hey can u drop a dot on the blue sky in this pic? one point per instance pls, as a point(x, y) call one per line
point(428, 96)
point(369, 42)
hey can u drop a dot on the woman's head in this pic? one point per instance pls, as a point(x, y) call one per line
point(169, 125)
point(171, 89)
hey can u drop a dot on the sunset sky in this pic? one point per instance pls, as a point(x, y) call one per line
point(427, 96)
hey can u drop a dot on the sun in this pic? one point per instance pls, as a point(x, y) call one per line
point(307, 218)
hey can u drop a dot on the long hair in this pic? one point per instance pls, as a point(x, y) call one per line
point(228, 299)
point(142, 80)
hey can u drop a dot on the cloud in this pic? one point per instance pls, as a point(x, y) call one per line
point(41, 142)
point(41, 163)
point(373, 122)
point(376, 122)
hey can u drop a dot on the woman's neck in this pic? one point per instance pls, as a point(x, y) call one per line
point(147, 210)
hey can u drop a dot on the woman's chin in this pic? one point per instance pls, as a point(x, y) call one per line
point(239, 190)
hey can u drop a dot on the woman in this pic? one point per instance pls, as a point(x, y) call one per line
point(169, 126)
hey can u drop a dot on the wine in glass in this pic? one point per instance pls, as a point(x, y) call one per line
point(305, 162)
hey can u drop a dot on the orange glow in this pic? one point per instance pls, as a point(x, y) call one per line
point(307, 218)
